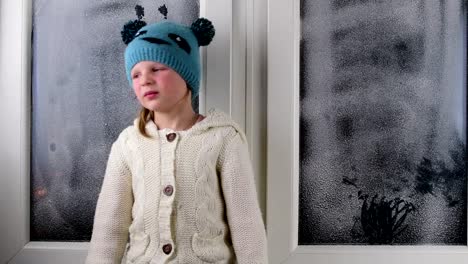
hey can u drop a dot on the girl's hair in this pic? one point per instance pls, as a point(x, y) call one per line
point(145, 116)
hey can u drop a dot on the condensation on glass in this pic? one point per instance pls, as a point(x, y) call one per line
point(383, 122)
point(81, 101)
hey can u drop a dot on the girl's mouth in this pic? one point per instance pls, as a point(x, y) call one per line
point(151, 94)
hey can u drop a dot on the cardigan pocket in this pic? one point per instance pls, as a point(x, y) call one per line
point(211, 250)
point(137, 247)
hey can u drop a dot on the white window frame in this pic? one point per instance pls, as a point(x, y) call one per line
point(223, 86)
point(283, 163)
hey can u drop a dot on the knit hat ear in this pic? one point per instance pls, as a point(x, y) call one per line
point(131, 27)
point(163, 10)
point(203, 30)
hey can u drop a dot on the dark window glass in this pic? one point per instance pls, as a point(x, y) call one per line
point(81, 101)
point(383, 122)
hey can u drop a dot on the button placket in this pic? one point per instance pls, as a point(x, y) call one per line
point(167, 193)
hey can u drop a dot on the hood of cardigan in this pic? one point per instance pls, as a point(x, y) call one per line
point(214, 118)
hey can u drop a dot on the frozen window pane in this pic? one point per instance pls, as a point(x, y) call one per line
point(383, 122)
point(81, 101)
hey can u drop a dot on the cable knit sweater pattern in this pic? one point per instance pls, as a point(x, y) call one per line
point(179, 197)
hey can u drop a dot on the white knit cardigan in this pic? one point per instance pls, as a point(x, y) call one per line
point(210, 213)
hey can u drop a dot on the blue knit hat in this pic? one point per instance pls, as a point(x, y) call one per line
point(169, 43)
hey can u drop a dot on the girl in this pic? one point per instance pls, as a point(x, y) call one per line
point(179, 186)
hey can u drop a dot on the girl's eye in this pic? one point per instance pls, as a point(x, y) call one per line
point(134, 76)
point(157, 69)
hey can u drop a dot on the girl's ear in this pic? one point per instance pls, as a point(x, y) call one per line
point(189, 91)
point(203, 30)
point(131, 27)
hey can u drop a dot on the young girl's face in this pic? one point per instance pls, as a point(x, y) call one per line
point(158, 87)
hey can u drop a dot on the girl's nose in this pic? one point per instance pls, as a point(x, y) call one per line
point(145, 79)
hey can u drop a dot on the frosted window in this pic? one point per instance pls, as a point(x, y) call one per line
point(81, 101)
point(383, 122)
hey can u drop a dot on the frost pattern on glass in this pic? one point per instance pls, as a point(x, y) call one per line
point(81, 101)
point(383, 122)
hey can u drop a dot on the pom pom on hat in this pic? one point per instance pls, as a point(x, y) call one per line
point(130, 29)
point(203, 30)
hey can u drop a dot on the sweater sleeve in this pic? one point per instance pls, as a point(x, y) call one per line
point(242, 209)
point(113, 211)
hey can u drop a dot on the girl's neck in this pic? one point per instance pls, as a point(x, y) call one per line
point(177, 120)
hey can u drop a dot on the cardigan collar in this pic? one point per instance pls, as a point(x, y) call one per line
point(214, 118)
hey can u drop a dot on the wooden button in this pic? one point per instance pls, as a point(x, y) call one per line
point(169, 190)
point(171, 136)
point(167, 249)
